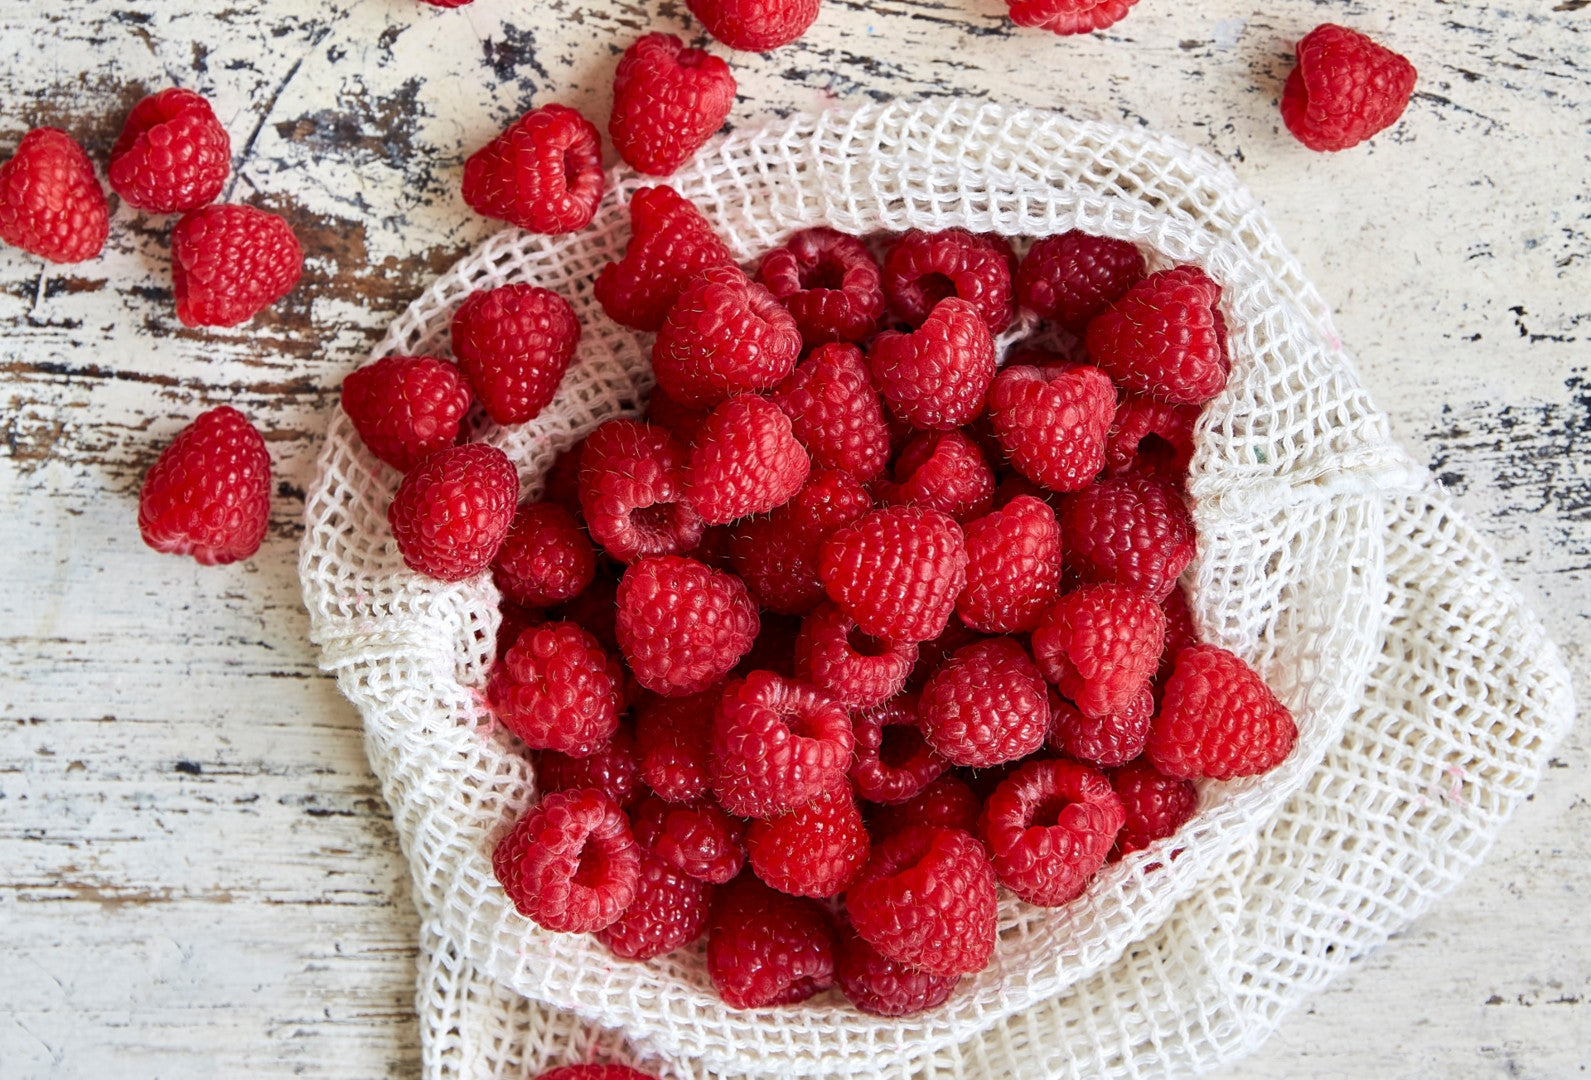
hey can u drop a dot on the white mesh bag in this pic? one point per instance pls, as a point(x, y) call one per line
point(1427, 696)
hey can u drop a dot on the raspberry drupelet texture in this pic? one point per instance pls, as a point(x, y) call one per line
point(406, 407)
point(856, 669)
point(766, 947)
point(208, 494)
point(545, 558)
point(452, 510)
point(173, 155)
point(985, 705)
point(894, 763)
point(699, 839)
point(1345, 89)
point(1048, 828)
point(1052, 422)
point(1013, 567)
point(777, 744)
point(1105, 741)
point(230, 262)
point(632, 491)
point(669, 911)
point(828, 282)
point(755, 25)
point(674, 737)
point(682, 625)
point(1100, 645)
point(941, 470)
point(835, 411)
point(879, 986)
point(1069, 16)
point(896, 571)
point(1166, 337)
point(724, 335)
point(670, 243)
point(1151, 438)
point(1155, 805)
point(922, 268)
point(778, 556)
point(935, 378)
point(1070, 278)
point(667, 101)
point(557, 689)
point(514, 344)
point(51, 203)
point(745, 460)
point(569, 864)
point(947, 802)
point(1131, 531)
point(1218, 719)
point(927, 898)
point(614, 768)
point(815, 850)
point(544, 174)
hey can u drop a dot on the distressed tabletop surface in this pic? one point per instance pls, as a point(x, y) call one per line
point(199, 876)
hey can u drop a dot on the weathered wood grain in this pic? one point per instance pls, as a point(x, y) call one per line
point(200, 878)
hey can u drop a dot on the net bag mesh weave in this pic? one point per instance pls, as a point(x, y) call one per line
point(1427, 696)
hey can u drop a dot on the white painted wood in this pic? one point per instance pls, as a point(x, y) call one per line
point(199, 876)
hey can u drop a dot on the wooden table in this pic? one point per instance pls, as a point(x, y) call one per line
point(200, 878)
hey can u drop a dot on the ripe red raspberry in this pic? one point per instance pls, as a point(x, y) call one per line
point(670, 243)
point(406, 407)
point(698, 839)
point(745, 461)
point(682, 625)
point(1069, 16)
point(543, 174)
point(1155, 805)
point(1218, 719)
point(51, 203)
point(682, 420)
point(632, 491)
point(557, 689)
point(985, 705)
point(667, 101)
point(571, 1072)
point(767, 948)
point(935, 378)
point(857, 670)
point(932, 654)
point(514, 344)
point(595, 610)
point(944, 471)
point(1100, 646)
point(877, 985)
point(669, 912)
point(1052, 422)
point(1070, 278)
point(1180, 630)
point(1013, 567)
point(570, 864)
point(776, 744)
point(1166, 338)
point(1048, 827)
point(1345, 89)
point(229, 262)
point(452, 510)
point(921, 269)
point(828, 282)
point(173, 154)
point(513, 621)
point(755, 25)
point(778, 556)
point(208, 494)
point(927, 898)
point(614, 768)
point(896, 571)
point(835, 411)
point(545, 558)
point(1151, 438)
point(724, 335)
point(1130, 531)
point(816, 850)
point(1106, 741)
point(947, 803)
point(894, 762)
point(674, 737)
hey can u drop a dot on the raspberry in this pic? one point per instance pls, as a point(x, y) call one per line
point(632, 491)
point(173, 154)
point(1013, 567)
point(682, 625)
point(1069, 16)
point(667, 101)
point(724, 335)
point(452, 510)
point(1130, 531)
point(816, 850)
point(778, 556)
point(896, 571)
point(828, 282)
point(674, 737)
point(1052, 422)
point(405, 407)
point(1345, 89)
point(544, 174)
point(1155, 805)
point(514, 620)
point(944, 471)
point(614, 768)
point(596, 609)
point(698, 839)
point(1151, 438)
point(946, 803)
point(776, 744)
point(880, 986)
point(559, 690)
point(1070, 278)
point(755, 25)
point(1048, 827)
point(856, 670)
point(1100, 646)
point(1106, 741)
point(893, 761)
point(1180, 630)
point(932, 654)
point(921, 269)
point(985, 705)
point(682, 420)
point(514, 344)
point(570, 864)
point(745, 461)
point(927, 898)
point(229, 262)
point(1218, 719)
point(1166, 338)
point(208, 494)
point(51, 203)
point(669, 912)
point(670, 243)
point(835, 411)
point(766, 948)
point(935, 378)
point(545, 558)
point(571, 1072)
